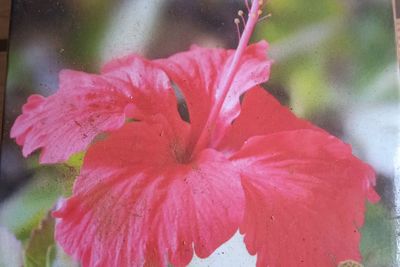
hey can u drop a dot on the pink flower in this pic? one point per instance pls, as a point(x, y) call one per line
point(158, 189)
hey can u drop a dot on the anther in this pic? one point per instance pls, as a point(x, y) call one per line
point(240, 13)
point(259, 12)
point(265, 17)
point(237, 22)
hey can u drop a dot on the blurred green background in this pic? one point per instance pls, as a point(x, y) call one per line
point(334, 65)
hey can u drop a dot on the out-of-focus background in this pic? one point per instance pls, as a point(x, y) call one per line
point(334, 65)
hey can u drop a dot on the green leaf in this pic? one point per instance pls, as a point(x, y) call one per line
point(378, 237)
point(38, 250)
point(24, 210)
point(51, 255)
point(76, 160)
point(10, 249)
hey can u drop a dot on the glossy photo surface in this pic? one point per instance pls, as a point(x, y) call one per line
point(200, 133)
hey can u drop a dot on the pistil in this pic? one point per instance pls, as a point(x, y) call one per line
point(228, 77)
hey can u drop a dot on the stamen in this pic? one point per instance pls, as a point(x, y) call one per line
point(237, 22)
point(201, 140)
point(240, 13)
point(247, 5)
point(265, 17)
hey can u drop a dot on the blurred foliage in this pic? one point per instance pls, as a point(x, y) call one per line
point(338, 55)
point(39, 250)
point(291, 16)
point(92, 18)
point(25, 209)
point(311, 90)
point(378, 239)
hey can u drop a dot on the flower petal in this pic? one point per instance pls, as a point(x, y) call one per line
point(261, 114)
point(199, 73)
point(305, 196)
point(134, 204)
point(152, 91)
point(86, 105)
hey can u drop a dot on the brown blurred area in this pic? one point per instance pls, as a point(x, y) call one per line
point(5, 12)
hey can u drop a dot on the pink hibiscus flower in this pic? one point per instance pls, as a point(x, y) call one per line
point(158, 189)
